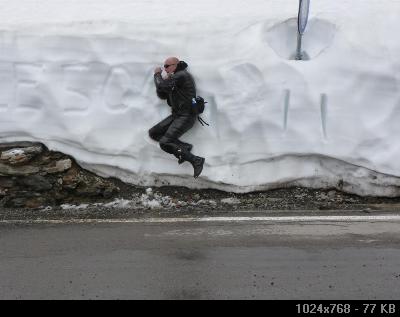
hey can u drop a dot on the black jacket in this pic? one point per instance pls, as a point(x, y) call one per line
point(179, 89)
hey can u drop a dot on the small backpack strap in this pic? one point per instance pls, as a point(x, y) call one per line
point(202, 121)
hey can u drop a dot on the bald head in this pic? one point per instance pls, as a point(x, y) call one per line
point(170, 64)
point(172, 60)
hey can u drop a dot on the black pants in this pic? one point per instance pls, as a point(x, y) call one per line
point(168, 132)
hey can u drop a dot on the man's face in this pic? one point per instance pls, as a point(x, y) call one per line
point(170, 65)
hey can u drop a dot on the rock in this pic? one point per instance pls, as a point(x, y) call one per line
point(71, 179)
point(12, 145)
point(87, 190)
point(34, 202)
point(20, 156)
point(26, 202)
point(3, 192)
point(7, 182)
point(322, 196)
point(16, 202)
point(92, 186)
point(149, 192)
point(109, 192)
point(35, 183)
point(331, 194)
point(32, 176)
point(60, 166)
point(6, 170)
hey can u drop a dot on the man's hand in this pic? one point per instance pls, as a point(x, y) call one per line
point(158, 70)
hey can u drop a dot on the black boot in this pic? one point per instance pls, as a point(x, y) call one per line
point(198, 164)
point(196, 161)
point(187, 148)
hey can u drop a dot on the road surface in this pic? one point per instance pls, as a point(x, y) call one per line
point(202, 258)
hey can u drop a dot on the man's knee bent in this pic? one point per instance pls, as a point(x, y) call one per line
point(167, 148)
point(154, 135)
point(167, 145)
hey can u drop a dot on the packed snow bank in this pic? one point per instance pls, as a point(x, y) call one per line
point(80, 81)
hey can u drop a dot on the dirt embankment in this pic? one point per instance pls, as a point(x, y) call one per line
point(31, 176)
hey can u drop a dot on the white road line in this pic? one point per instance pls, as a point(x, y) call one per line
point(386, 218)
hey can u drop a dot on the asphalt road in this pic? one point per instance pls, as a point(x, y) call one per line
point(186, 259)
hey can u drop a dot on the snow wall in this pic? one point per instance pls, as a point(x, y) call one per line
point(78, 77)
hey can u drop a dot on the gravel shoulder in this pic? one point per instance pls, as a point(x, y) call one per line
point(136, 202)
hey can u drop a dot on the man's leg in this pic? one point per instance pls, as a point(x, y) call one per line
point(158, 131)
point(170, 142)
point(187, 146)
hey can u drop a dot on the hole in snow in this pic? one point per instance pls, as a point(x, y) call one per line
point(282, 38)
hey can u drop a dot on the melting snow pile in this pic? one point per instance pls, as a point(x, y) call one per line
point(77, 76)
point(151, 200)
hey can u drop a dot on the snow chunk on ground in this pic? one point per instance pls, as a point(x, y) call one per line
point(76, 207)
point(230, 201)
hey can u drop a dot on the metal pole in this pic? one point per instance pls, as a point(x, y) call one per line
point(304, 8)
point(299, 55)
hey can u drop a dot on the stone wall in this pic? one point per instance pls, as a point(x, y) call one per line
point(32, 176)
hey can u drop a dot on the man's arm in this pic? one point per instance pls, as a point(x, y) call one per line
point(161, 95)
point(167, 85)
point(164, 86)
